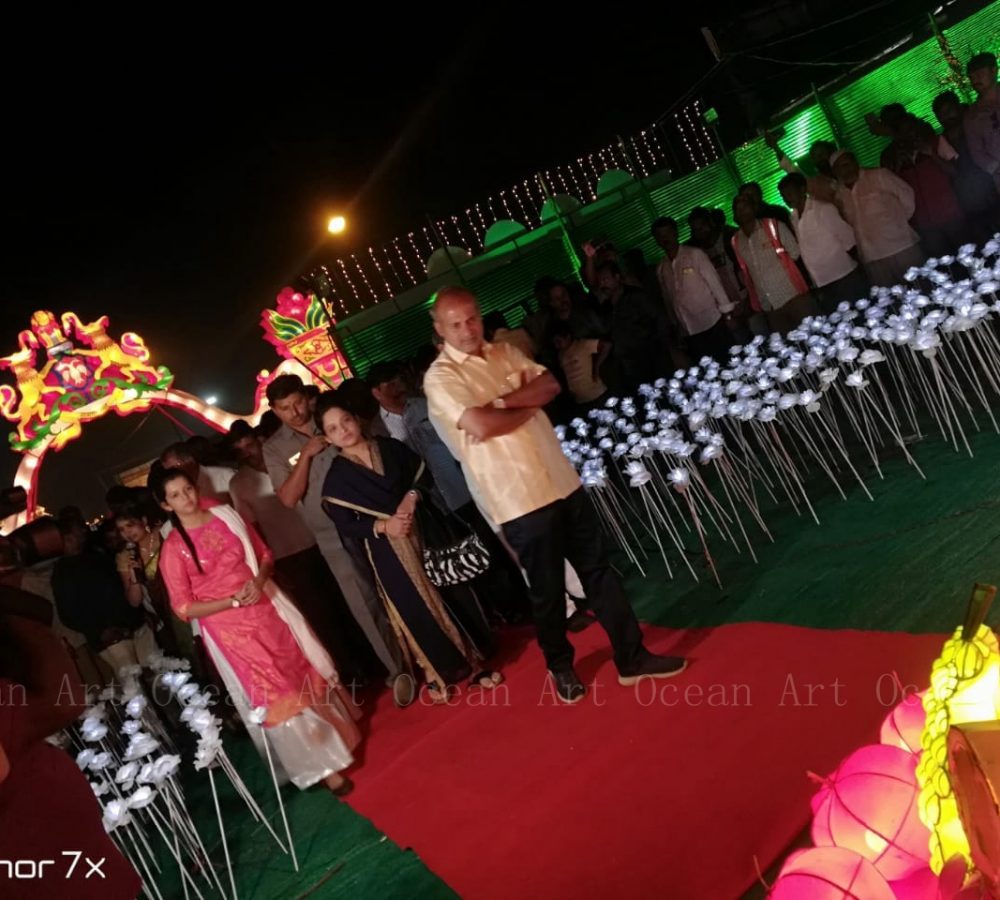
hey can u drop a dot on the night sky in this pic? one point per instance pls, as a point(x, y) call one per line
point(177, 181)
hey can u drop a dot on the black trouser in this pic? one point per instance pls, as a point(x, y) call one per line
point(714, 342)
point(853, 286)
point(569, 529)
point(507, 594)
point(310, 585)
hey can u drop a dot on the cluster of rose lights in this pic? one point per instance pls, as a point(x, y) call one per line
point(842, 386)
point(886, 823)
point(129, 759)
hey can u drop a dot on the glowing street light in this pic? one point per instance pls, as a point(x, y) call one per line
point(336, 225)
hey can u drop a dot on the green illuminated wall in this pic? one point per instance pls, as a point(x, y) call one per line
point(913, 78)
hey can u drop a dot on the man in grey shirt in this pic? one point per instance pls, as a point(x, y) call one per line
point(297, 461)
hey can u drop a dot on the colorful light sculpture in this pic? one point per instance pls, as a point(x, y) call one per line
point(965, 687)
point(869, 805)
point(829, 873)
point(299, 329)
point(69, 372)
point(905, 724)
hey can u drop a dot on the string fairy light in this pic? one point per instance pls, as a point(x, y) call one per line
point(402, 260)
point(463, 240)
point(364, 277)
point(526, 213)
point(347, 278)
point(392, 265)
point(378, 268)
point(503, 200)
point(406, 265)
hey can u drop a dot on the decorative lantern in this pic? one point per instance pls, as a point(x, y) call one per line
point(300, 329)
point(869, 805)
point(904, 725)
point(965, 687)
point(829, 873)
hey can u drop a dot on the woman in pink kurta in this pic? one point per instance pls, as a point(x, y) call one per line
point(217, 570)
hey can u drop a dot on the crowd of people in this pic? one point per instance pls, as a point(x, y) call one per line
point(842, 229)
point(382, 532)
point(386, 531)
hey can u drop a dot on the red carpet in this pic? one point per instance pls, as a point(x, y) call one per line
point(610, 797)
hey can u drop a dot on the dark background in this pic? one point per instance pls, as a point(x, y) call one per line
point(177, 181)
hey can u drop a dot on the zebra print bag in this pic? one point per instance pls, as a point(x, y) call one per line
point(456, 563)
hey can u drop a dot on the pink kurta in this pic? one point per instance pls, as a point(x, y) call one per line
point(255, 641)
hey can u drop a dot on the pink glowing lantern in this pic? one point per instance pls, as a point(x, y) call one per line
point(829, 873)
point(925, 885)
point(869, 805)
point(904, 725)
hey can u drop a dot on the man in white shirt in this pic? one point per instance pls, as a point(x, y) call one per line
point(386, 382)
point(827, 243)
point(212, 481)
point(254, 498)
point(486, 402)
point(879, 205)
point(691, 287)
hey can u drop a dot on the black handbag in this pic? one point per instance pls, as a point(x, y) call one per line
point(457, 563)
point(450, 556)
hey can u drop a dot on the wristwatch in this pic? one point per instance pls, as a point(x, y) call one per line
point(235, 602)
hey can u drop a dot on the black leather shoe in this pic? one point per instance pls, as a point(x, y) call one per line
point(569, 688)
point(649, 665)
point(579, 621)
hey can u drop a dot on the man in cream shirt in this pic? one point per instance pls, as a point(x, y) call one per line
point(879, 206)
point(486, 402)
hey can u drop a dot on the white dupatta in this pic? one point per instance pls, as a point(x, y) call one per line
point(311, 648)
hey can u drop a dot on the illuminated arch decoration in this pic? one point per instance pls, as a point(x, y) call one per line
point(69, 372)
point(300, 329)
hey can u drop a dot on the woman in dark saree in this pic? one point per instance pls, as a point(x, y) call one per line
point(372, 493)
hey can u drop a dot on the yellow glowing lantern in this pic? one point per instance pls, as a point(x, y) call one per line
point(965, 687)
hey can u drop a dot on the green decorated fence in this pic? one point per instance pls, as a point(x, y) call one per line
point(503, 279)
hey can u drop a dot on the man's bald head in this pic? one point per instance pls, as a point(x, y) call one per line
point(457, 320)
point(450, 295)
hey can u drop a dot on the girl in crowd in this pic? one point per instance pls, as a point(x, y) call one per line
point(217, 570)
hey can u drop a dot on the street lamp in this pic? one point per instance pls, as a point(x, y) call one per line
point(336, 225)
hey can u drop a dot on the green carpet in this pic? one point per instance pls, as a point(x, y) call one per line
point(340, 853)
point(906, 562)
